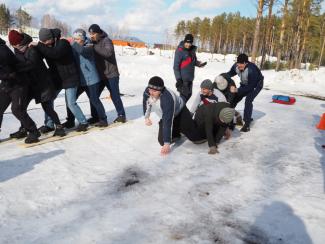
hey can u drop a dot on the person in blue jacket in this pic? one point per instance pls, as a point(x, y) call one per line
point(175, 118)
point(251, 83)
point(184, 66)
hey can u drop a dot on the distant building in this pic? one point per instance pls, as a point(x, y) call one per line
point(128, 41)
point(163, 46)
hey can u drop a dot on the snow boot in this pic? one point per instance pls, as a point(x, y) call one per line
point(59, 131)
point(45, 129)
point(82, 127)
point(21, 133)
point(102, 123)
point(245, 128)
point(92, 121)
point(33, 137)
point(68, 124)
point(120, 119)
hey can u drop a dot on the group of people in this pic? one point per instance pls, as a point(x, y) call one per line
point(212, 115)
point(87, 65)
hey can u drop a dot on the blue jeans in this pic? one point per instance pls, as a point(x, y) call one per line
point(47, 120)
point(112, 85)
point(71, 101)
point(93, 92)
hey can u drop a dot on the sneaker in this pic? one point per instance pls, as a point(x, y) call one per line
point(120, 119)
point(59, 131)
point(33, 137)
point(45, 129)
point(21, 133)
point(68, 124)
point(82, 127)
point(200, 141)
point(245, 128)
point(92, 121)
point(102, 123)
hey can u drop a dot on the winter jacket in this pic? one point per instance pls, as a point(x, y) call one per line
point(105, 58)
point(85, 58)
point(208, 122)
point(62, 55)
point(200, 99)
point(34, 71)
point(8, 76)
point(184, 63)
point(250, 78)
point(167, 107)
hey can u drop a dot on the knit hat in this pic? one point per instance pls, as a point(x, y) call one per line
point(221, 82)
point(95, 29)
point(207, 84)
point(242, 58)
point(188, 38)
point(45, 34)
point(227, 115)
point(79, 34)
point(156, 83)
point(15, 37)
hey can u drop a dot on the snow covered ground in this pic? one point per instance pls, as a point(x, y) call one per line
point(112, 186)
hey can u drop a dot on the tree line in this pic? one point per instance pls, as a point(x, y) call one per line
point(20, 18)
point(295, 33)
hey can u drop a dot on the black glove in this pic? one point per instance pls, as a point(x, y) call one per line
point(179, 83)
point(202, 64)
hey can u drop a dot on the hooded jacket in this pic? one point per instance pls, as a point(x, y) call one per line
point(184, 62)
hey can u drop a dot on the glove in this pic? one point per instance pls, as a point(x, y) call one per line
point(213, 150)
point(202, 64)
point(179, 83)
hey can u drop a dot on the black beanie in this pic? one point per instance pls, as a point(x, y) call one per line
point(95, 29)
point(156, 83)
point(188, 38)
point(242, 58)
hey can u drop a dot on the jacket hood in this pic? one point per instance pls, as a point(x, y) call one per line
point(181, 45)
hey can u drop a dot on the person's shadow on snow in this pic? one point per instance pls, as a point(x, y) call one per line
point(18, 166)
point(132, 112)
point(319, 141)
point(278, 224)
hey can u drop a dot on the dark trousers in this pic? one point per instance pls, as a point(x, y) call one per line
point(186, 90)
point(18, 98)
point(97, 108)
point(113, 87)
point(49, 110)
point(248, 110)
point(183, 123)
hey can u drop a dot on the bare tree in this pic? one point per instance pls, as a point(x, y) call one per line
point(257, 29)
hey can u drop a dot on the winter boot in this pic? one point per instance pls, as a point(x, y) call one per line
point(21, 133)
point(68, 124)
point(120, 119)
point(245, 128)
point(33, 137)
point(102, 123)
point(92, 121)
point(45, 129)
point(82, 127)
point(59, 131)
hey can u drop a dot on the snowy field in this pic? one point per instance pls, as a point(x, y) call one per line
point(112, 186)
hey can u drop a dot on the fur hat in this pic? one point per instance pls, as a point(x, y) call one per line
point(15, 38)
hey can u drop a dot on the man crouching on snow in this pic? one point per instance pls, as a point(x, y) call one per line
point(175, 118)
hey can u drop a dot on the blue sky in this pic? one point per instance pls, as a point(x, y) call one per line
point(149, 20)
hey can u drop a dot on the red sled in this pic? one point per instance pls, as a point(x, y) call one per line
point(283, 99)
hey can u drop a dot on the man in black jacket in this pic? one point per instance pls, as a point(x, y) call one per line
point(14, 90)
point(212, 121)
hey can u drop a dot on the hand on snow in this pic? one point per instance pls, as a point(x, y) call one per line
point(233, 89)
point(148, 122)
point(213, 150)
point(165, 149)
point(227, 134)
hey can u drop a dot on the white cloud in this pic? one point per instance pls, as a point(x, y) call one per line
point(211, 4)
point(176, 5)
